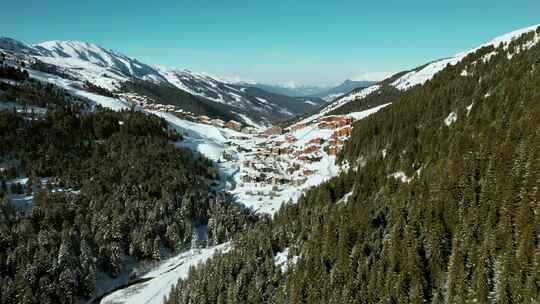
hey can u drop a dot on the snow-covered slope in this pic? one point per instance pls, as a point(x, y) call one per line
point(422, 75)
point(105, 68)
point(338, 103)
point(418, 76)
point(109, 69)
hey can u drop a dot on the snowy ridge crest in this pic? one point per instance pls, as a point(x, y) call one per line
point(420, 76)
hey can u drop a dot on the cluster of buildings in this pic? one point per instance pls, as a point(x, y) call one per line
point(149, 104)
point(279, 158)
point(342, 129)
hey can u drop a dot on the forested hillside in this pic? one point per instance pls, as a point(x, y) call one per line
point(441, 205)
point(168, 94)
point(107, 190)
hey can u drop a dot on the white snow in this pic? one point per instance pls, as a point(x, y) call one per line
point(309, 102)
point(420, 77)
point(401, 176)
point(451, 118)
point(262, 100)
point(281, 260)
point(250, 122)
point(345, 198)
point(71, 86)
point(332, 97)
point(366, 113)
point(340, 102)
point(469, 108)
point(163, 278)
point(205, 139)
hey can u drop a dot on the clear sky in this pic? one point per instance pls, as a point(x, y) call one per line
point(277, 41)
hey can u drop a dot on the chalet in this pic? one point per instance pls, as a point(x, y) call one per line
point(334, 122)
point(325, 125)
point(303, 157)
point(204, 119)
point(336, 142)
point(336, 119)
point(276, 130)
point(311, 149)
point(316, 141)
point(290, 139)
point(234, 125)
point(346, 131)
point(332, 150)
point(217, 123)
point(308, 172)
point(249, 130)
point(297, 127)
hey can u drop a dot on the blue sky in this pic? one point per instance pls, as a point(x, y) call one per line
point(297, 41)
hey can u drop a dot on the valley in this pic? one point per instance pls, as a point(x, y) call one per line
point(238, 184)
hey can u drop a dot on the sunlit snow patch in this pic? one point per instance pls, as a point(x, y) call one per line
point(281, 259)
point(163, 278)
point(450, 119)
point(401, 176)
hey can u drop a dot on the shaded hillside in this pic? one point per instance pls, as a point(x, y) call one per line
point(166, 94)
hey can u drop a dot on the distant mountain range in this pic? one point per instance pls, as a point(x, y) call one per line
point(85, 62)
point(325, 92)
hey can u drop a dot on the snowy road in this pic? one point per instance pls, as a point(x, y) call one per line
point(163, 278)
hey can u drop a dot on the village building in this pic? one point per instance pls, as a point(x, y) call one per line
point(308, 172)
point(217, 123)
point(316, 141)
point(276, 130)
point(290, 139)
point(311, 149)
point(297, 127)
point(332, 150)
point(234, 125)
point(249, 130)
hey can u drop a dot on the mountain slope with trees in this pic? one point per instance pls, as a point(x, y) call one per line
point(108, 72)
point(108, 189)
point(441, 204)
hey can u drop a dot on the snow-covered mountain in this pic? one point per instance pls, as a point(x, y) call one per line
point(109, 69)
point(325, 92)
point(289, 89)
point(345, 87)
point(407, 79)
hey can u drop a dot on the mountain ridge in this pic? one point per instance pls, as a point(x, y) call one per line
point(107, 68)
point(404, 80)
